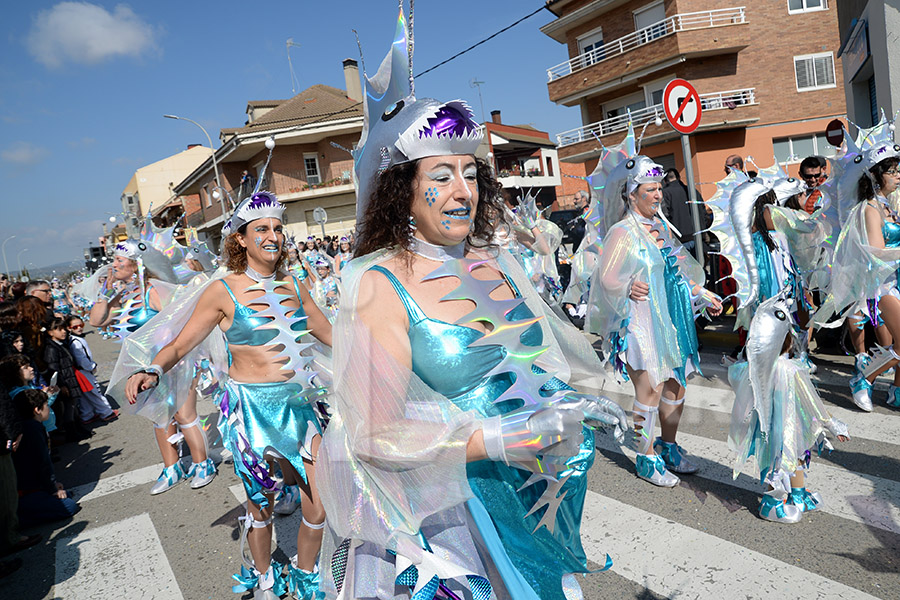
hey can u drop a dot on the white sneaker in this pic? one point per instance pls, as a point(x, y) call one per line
point(289, 500)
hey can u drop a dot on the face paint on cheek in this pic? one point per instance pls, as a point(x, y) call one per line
point(446, 224)
point(258, 241)
point(431, 195)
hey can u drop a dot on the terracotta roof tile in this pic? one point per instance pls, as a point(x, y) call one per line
point(317, 103)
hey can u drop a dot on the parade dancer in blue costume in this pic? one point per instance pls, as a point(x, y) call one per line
point(149, 269)
point(778, 417)
point(455, 463)
point(643, 298)
point(270, 389)
point(867, 255)
point(344, 256)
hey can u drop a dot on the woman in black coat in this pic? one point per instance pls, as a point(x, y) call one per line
point(59, 360)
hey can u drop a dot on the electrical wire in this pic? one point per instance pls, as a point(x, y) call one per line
point(473, 46)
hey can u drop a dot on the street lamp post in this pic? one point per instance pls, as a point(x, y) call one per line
point(19, 260)
point(3, 248)
point(218, 187)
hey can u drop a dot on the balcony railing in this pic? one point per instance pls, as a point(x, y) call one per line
point(714, 101)
point(705, 19)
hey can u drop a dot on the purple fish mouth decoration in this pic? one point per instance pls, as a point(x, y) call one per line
point(448, 122)
point(654, 172)
point(262, 199)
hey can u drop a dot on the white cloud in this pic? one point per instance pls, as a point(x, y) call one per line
point(24, 154)
point(79, 32)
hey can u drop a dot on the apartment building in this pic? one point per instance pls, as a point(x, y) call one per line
point(868, 29)
point(310, 164)
point(766, 72)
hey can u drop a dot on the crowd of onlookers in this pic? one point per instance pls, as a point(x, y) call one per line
point(48, 396)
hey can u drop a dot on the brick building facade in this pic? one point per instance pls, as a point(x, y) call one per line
point(766, 72)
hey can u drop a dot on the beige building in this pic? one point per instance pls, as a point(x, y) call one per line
point(152, 185)
point(310, 165)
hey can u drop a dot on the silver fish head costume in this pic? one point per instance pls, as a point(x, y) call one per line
point(741, 208)
point(400, 128)
point(771, 324)
point(624, 178)
point(786, 188)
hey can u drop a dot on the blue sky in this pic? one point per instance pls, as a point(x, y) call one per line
point(83, 87)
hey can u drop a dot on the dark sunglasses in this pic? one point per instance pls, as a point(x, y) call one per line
point(815, 176)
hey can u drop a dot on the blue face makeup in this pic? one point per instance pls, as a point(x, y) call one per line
point(258, 241)
point(431, 195)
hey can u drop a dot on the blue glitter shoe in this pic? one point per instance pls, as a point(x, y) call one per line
point(653, 469)
point(804, 500)
point(675, 457)
point(169, 478)
point(303, 585)
point(773, 509)
point(893, 398)
point(202, 473)
point(862, 392)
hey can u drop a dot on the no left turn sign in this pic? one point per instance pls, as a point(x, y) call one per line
point(682, 105)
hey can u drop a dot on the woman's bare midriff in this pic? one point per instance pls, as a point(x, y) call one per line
point(257, 364)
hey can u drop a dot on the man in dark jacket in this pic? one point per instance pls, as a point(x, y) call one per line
point(677, 209)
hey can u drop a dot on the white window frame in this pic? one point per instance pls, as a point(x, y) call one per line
point(813, 57)
point(800, 11)
point(208, 195)
point(794, 159)
point(650, 35)
point(314, 156)
point(649, 88)
point(622, 102)
point(580, 41)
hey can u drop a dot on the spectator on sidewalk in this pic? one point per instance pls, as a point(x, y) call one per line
point(10, 438)
point(92, 403)
point(677, 209)
point(812, 172)
point(42, 499)
point(17, 374)
point(59, 360)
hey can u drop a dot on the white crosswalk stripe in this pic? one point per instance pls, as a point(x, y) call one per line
point(678, 561)
point(708, 564)
point(121, 559)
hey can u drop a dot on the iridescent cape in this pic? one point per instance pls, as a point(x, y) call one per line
point(394, 452)
point(630, 253)
point(160, 403)
point(858, 272)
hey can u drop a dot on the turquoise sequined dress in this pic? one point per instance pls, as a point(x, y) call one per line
point(531, 564)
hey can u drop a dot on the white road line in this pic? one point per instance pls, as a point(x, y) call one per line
point(117, 483)
point(677, 561)
point(877, 428)
point(866, 499)
point(124, 559)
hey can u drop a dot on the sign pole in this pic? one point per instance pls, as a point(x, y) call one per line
point(695, 208)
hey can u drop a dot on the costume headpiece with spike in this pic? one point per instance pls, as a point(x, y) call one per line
point(771, 324)
point(260, 204)
point(398, 127)
point(156, 250)
point(786, 188)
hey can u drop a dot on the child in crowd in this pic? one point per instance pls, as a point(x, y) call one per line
point(18, 374)
point(59, 360)
point(778, 416)
point(41, 498)
point(92, 404)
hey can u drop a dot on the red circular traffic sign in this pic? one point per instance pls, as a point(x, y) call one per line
point(682, 105)
point(834, 133)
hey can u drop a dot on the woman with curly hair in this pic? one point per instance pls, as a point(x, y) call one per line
point(269, 389)
point(453, 413)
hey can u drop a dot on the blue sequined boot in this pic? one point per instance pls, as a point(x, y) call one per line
point(893, 398)
point(804, 500)
point(652, 468)
point(303, 585)
point(169, 477)
point(779, 511)
point(675, 457)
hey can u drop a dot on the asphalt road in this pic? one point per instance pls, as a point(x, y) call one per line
point(701, 539)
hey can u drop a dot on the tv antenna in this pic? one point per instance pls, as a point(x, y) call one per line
point(295, 82)
point(474, 83)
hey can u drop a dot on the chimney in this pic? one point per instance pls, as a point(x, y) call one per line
point(351, 80)
point(495, 117)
